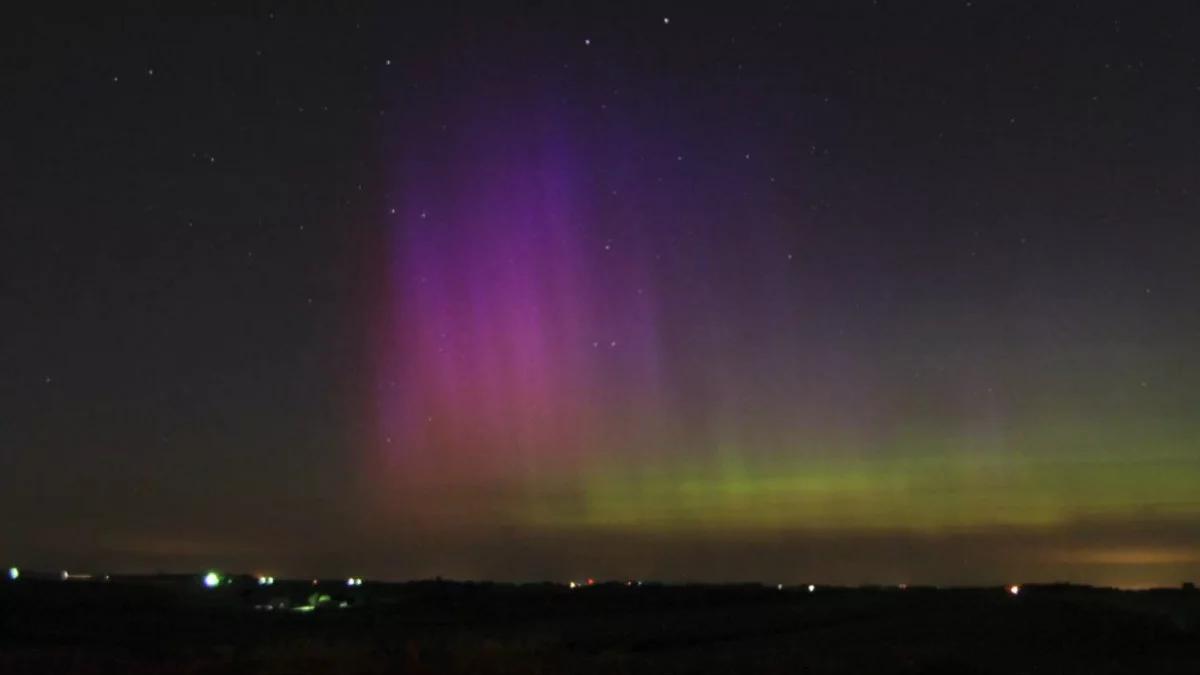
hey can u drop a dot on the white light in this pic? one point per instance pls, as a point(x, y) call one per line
point(1014, 589)
point(811, 588)
point(212, 580)
point(14, 573)
point(65, 575)
point(573, 585)
point(666, 19)
point(779, 587)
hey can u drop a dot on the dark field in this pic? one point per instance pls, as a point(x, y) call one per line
point(174, 625)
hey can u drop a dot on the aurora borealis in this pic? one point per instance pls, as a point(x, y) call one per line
point(844, 292)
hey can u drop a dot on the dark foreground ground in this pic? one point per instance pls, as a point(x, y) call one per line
point(174, 625)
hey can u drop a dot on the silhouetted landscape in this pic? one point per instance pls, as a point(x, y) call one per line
point(173, 624)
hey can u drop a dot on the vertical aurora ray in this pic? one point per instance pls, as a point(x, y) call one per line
point(504, 330)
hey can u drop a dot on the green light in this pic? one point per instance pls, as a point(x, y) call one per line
point(14, 573)
point(212, 580)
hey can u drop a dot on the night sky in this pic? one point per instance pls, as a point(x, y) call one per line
point(843, 292)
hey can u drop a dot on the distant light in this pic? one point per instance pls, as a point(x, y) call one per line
point(1014, 589)
point(14, 573)
point(779, 587)
point(591, 581)
point(266, 581)
point(572, 585)
point(903, 587)
point(212, 580)
point(811, 588)
point(666, 19)
point(65, 575)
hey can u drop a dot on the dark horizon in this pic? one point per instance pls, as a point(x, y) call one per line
point(241, 579)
